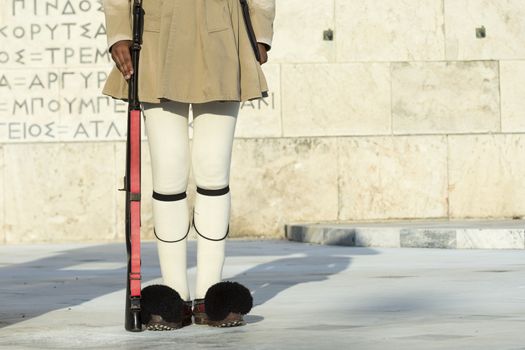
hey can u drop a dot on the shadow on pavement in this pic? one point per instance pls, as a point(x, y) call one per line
point(65, 279)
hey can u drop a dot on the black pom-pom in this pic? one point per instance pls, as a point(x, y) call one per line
point(225, 297)
point(158, 299)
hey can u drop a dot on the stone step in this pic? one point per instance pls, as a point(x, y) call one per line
point(451, 234)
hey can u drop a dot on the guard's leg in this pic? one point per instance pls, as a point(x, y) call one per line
point(213, 135)
point(166, 126)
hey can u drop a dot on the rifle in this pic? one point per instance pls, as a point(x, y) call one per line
point(133, 321)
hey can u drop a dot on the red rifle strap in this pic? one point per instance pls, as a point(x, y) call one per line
point(135, 203)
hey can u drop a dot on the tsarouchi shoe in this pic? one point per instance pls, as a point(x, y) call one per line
point(162, 308)
point(224, 305)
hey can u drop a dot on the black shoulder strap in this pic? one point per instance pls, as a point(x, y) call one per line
point(249, 28)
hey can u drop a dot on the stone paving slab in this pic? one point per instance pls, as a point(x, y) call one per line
point(451, 234)
point(306, 296)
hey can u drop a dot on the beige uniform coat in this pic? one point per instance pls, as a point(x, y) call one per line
point(193, 50)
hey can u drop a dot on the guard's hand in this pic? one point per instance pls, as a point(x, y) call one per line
point(120, 53)
point(262, 53)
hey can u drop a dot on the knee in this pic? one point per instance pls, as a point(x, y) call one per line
point(211, 171)
point(169, 176)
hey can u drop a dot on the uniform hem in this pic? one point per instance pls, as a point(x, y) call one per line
point(186, 100)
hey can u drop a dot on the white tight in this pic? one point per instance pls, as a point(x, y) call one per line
point(166, 127)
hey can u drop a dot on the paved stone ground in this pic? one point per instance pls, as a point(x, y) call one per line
point(306, 297)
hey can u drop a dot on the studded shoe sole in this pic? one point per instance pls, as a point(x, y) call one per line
point(157, 323)
point(201, 318)
point(232, 320)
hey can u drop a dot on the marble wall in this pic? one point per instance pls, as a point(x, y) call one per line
point(413, 109)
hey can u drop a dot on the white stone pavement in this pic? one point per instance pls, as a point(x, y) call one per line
point(306, 297)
